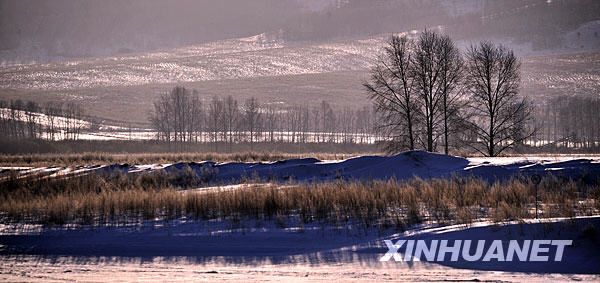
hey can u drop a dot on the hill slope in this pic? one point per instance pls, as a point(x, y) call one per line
point(263, 66)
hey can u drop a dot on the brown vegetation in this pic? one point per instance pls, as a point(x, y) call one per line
point(99, 200)
point(96, 158)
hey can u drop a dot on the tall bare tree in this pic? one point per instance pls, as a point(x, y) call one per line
point(500, 114)
point(73, 113)
point(426, 70)
point(328, 121)
point(391, 89)
point(195, 118)
point(450, 62)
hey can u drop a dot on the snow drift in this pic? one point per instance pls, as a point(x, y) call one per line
point(404, 166)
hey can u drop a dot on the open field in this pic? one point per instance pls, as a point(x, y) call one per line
point(73, 153)
point(133, 103)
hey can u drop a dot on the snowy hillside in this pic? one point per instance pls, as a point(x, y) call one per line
point(262, 55)
point(255, 56)
point(263, 66)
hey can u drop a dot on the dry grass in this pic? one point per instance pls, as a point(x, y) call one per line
point(99, 200)
point(75, 159)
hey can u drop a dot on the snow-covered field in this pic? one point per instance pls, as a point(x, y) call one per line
point(244, 58)
point(257, 56)
point(229, 59)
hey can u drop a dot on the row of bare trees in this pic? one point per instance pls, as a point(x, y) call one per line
point(427, 94)
point(568, 122)
point(181, 116)
point(175, 115)
point(29, 120)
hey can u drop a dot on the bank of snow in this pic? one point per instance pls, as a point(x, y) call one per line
point(402, 166)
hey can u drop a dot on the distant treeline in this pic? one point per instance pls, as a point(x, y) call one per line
point(180, 116)
point(569, 121)
point(564, 124)
point(101, 149)
point(29, 120)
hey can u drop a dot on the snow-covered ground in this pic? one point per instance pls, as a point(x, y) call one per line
point(235, 58)
point(285, 248)
point(401, 167)
point(255, 251)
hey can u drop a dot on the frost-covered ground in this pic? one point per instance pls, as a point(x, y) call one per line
point(251, 251)
point(403, 166)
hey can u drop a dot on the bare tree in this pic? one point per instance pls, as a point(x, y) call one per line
point(161, 120)
point(575, 122)
point(500, 115)
point(195, 117)
point(214, 118)
point(252, 117)
point(75, 113)
point(16, 116)
point(70, 113)
point(271, 120)
point(304, 113)
point(32, 110)
point(452, 101)
point(52, 111)
point(391, 89)
point(4, 120)
point(426, 70)
point(328, 122)
point(230, 118)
